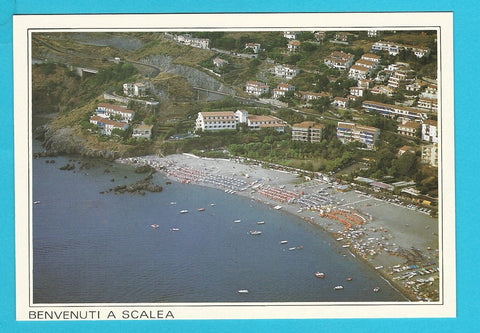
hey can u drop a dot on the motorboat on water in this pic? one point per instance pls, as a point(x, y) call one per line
point(154, 226)
point(320, 275)
point(292, 248)
point(283, 242)
point(261, 222)
point(173, 203)
point(175, 229)
point(243, 291)
point(255, 232)
point(183, 211)
point(376, 289)
point(349, 278)
point(201, 209)
point(237, 221)
point(338, 288)
point(36, 202)
point(277, 207)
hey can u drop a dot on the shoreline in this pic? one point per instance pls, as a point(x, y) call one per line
point(405, 255)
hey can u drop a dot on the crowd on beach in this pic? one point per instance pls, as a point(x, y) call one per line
point(408, 269)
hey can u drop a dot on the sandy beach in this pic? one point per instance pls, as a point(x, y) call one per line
point(399, 241)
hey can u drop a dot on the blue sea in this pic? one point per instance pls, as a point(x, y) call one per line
point(90, 247)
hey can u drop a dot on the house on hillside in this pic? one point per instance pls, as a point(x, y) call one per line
point(282, 89)
point(307, 131)
point(409, 128)
point(293, 46)
point(430, 131)
point(212, 121)
point(106, 125)
point(339, 60)
point(253, 46)
point(256, 88)
point(348, 132)
point(287, 72)
point(142, 131)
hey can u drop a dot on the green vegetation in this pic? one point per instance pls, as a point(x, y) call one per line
point(56, 88)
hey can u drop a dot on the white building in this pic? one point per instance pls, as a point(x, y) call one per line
point(293, 46)
point(281, 89)
point(409, 128)
point(106, 125)
point(357, 91)
point(219, 62)
point(340, 102)
point(290, 34)
point(254, 46)
point(134, 89)
point(212, 121)
point(348, 132)
point(241, 116)
point(429, 131)
point(307, 131)
point(430, 154)
point(339, 60)
point(106, 110)
point(358, 72)
point(257, 122)
point(142, 131)
point(256, 88)
point(286, 71)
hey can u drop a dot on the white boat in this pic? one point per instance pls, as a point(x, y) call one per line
point(346, 245)
point(175, 229)
point(173, 203)
point(237, 221)
point(183, 211)
point(340, 239)
point(376, 289)
point(261, 222)
point(338, 288)
point(36, 202)
point(320, 275)
point(378, 267)
point(292, 248)
point(255, 232)
point(212, 204)
point(283, 242)
point(201, 209)
point(277, 207)
point(154, 226)
point(243, 291)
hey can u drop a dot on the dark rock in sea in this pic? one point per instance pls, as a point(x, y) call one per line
point(168, 182)
point(67, 166)
point(106, 171)
point(140, 187)
point(112, 180)
point(144, 169)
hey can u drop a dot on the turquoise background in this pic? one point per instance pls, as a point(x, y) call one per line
point(466, 25)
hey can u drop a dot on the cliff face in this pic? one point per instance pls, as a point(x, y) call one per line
point(65, 141)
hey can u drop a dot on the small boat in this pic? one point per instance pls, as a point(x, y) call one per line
point(175, 229)
point(261, 222)
point(292, 248)
point(154, 226)
point(237, 221)
point(243, 291)
point(201, 209)
point(346, 245)
point(300, 247)
point(283, 242)
point(277, 207)
point(338, 288)
point(36, 202)
point(376, 289)
point(173, 203)
point(212, 204)
point(378, 267)
point(349, 278)
point(320, 275)
point(255, 232)
point(183, 211)
point(340, 239)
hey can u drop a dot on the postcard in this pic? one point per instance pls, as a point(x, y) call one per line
point(234, 166)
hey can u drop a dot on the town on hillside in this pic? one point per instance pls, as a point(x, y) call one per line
point(358, 106)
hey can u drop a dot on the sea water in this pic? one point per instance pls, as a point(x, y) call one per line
point(93, 247)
